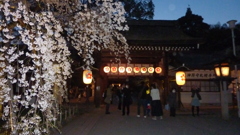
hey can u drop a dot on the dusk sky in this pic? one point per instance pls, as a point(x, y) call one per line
point(212, 11)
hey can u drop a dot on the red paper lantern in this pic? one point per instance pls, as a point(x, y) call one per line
point(136, 69)
point(143, 69)
point(114, 69)
point(158, 70)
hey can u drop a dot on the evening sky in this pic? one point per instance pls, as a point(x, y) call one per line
point(212, 11)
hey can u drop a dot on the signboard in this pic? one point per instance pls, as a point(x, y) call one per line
point(200, 74)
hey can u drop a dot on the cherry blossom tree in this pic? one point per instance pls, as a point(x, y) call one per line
point(98, 28)
point(34, 55)
point(34, 58)
point(94, 26)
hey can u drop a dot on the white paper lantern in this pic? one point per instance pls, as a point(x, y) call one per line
point(87, 76)
point(121, 69)
point(180, 78)
point(106, 69)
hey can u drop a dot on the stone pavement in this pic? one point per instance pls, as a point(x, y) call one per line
point(96, 122)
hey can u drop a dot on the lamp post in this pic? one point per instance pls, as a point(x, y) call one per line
point(231, 24)
point(222, 72)
point(180, 80)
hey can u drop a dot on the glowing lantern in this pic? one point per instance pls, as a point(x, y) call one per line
point(222, 70)
point(114, 69)
point(150, 69)
point(129, 69)
point(158, 70)
point(106, 69)
point(143, 69)
point(148, 91)
point(136, 69)
point(121, 69)
point(180, 78)
point(87, 76)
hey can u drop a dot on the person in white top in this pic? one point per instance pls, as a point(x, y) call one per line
point(156, 102)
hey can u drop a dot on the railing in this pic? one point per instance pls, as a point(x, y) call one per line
point(67, 112)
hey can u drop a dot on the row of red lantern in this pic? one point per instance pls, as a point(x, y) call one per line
point(123, 69)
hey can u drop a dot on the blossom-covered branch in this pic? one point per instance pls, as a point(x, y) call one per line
point(98, 27)
point(31, 49)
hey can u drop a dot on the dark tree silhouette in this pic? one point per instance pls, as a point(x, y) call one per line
point(192, 24)
point(139, 9)
point(219, 38)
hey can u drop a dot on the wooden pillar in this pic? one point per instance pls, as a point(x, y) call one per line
point(166, 77)
point(101, 85)
point(224, 100)
point(97, 92)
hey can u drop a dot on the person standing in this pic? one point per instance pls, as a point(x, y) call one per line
point(142, 100)
point(88, 90)
point(108, 98)
point(148, 102)
point(156, 103)
point(127, 99)
point(119, 95)
point(195, 99)
point(172, 101)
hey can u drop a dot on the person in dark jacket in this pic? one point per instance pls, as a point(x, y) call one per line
point(108, 98)
point(119, 95)
point(172, 101)
point(127, 99)
point(142, 99)
point(195, 99)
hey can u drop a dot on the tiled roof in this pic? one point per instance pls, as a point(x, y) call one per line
point(157, 33)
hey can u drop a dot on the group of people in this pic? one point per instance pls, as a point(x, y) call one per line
point(148, 100)
point(124, 98)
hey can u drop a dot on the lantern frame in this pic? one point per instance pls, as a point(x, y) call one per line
point(222, 70)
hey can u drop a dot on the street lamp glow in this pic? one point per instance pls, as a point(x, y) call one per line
point(222, 70)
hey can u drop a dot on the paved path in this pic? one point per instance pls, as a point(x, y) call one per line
point(96, 122)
